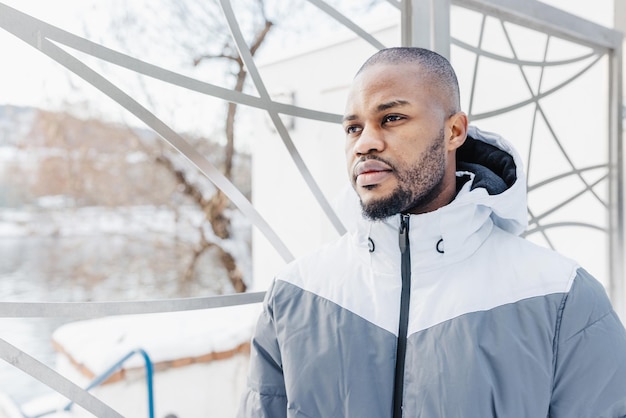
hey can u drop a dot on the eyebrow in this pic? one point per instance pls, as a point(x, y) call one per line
point(381, 108)
point(390, 105)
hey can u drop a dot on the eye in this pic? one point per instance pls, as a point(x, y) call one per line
point(352, 129)
point(392, 118)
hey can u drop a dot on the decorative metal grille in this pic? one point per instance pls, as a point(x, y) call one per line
point(553, 96)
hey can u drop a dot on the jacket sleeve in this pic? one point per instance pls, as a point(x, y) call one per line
point(265, 395)
point(589, 355)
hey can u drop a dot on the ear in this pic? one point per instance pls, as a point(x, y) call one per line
point(456, 131)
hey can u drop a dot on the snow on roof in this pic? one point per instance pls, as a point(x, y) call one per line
point(97, 344)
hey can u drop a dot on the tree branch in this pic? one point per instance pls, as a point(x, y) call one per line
point(198, 60)
point(260, 37)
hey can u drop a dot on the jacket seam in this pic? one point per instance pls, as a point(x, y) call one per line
point(269, 395)
point(557, 333)
point(586, 327)
point(556, 342)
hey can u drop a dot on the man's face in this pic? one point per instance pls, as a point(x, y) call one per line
point(395, 146)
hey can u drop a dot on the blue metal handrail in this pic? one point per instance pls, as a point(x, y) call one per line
point(109, 372)
point(104, 376)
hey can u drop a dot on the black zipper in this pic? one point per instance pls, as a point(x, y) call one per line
point(405, 298)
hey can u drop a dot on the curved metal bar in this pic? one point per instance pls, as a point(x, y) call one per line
point(118, 364)
point(545, 118)
point(531, 144)
point(45, 30)
point(534, 98)
point(100, 309)
point(11, 21)
point(526, 63)
point(475, 74)
point(543, 233)
point(576, 171)
point(55, 381)
point(542, 17)
point(542, 228)
point(571, 163)
point(329, 10)
point(149, 380)
point(246, 56)
point(534, 121)
point(588, 187)
point(395, 3)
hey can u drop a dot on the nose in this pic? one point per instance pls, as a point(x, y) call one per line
point(370, 140)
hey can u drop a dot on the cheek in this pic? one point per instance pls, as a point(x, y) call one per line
point(349, 167)
point(349, 154)
point(405, 153)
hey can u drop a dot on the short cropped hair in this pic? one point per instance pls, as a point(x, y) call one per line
point(437, 67)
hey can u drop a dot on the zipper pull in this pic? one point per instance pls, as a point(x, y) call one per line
point(404, 232)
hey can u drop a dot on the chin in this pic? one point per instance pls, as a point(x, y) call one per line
point(374, 192)
point(368, 198)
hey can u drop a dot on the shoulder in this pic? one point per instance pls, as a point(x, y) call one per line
point(589, 353)
point(524, 249)
point(340, 275)
point(330, 256)
point(525, 267)
point(586, 304)
point(317, 268)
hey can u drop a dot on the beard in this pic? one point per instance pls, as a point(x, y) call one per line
point(417, 185)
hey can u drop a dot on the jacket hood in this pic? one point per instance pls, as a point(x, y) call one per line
point(497, 179)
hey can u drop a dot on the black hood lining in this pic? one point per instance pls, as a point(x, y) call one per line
point(494, 169)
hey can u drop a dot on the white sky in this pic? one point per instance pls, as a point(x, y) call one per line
point(27, 77)
point(25, 70)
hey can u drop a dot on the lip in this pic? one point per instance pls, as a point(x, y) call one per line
point(371, 172)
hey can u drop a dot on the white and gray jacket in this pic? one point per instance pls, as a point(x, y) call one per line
point(491, 324)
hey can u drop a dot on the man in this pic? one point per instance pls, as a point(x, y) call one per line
point(433, 306)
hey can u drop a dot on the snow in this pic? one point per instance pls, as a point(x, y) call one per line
point(89, 221)
point(8, 409)
point(136, 157)
point(8, 153)
point(99, 343)
point(193, 175)
point(50, 406)
point(8, 229)
point(55, 202)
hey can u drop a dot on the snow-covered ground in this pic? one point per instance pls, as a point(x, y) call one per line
point(98, 343)
point(200, 358)
point(134, 247)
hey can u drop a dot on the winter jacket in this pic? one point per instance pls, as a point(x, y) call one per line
point(495, 326)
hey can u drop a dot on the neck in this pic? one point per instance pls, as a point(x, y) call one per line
point(438, 197)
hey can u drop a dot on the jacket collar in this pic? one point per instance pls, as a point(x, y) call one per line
point(444, 236)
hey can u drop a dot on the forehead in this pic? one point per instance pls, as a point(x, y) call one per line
point(383, 83)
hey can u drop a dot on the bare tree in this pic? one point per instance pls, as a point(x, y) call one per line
point(257, 26)
point(198, 32)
